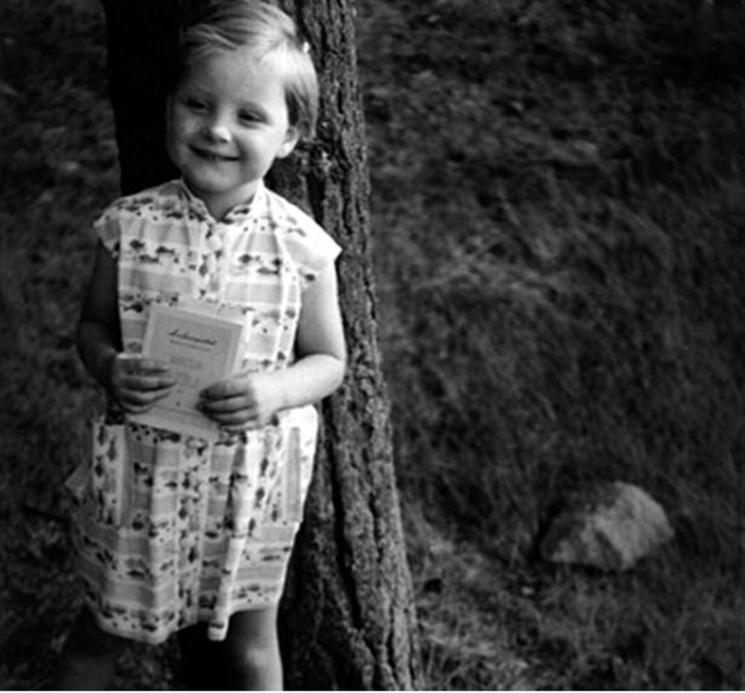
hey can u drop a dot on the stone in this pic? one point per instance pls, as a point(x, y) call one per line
point(609, 526)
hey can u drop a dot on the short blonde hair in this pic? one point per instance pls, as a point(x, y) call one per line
point(265, 31)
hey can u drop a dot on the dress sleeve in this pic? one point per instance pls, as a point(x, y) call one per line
point(108, 231)
point(312, 250)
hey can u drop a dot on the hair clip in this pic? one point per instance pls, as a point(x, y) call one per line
point(305, 47)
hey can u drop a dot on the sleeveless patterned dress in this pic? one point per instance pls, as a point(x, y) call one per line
point(171, 529)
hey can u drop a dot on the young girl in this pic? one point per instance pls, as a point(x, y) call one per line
point(175, 533)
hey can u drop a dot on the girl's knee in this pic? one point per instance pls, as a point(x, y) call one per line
point(253, 666)
point(250, 657)
point(252, 651)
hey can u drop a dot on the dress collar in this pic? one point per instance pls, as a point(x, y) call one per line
point(241, 212)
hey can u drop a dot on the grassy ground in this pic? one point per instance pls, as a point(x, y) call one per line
point(557, 192)
point(557, 206)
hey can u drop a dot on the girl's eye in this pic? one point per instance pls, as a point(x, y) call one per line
point(249, 117)
point(196, 105)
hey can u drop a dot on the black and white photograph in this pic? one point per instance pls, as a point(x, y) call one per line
point(372, 345)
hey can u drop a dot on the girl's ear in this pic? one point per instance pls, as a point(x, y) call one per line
point(292, 136)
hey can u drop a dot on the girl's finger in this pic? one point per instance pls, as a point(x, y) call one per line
point(229, 405)
point(227, 389)
point(135, 409)
point(148, 365)
point(148, 383)
point(146, 398)
point(134, 364)
point(239, 418)
point(231, 418)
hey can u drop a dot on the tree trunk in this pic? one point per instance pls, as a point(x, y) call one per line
point(347, 618)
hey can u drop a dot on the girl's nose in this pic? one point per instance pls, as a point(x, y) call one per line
point(216, 130)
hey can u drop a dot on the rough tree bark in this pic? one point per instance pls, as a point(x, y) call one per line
point(347, 617)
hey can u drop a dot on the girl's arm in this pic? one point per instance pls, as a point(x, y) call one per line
point(319, 346)
point(98, 334)
point(250, 402)
point(136, 382)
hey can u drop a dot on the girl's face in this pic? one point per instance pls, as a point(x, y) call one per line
point(227, 123)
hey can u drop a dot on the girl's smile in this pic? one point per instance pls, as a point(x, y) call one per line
point(213, 157)
point(228, 122)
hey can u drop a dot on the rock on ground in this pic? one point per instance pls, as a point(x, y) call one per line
point(609, 526)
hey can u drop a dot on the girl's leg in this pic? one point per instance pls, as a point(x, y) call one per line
point(89, 656)
point(248, 659)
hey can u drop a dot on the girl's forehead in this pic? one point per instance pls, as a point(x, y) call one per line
point(240, 62)
point(245, 57)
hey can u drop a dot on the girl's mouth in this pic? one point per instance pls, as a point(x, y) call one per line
point(212, 156)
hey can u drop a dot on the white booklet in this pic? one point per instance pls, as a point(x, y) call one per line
point(200, 349)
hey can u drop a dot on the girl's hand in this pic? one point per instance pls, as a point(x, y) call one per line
point(242, 403)
point(138, 382)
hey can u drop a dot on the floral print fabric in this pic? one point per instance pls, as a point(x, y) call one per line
point(171, 529)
